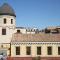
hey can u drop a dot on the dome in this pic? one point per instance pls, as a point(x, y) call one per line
point(6, 9)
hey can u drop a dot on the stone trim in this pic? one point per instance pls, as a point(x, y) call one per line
point(17, 43)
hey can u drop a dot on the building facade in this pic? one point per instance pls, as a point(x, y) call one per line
point(22, 43)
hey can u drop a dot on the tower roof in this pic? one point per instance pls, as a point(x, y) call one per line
point(6, 9)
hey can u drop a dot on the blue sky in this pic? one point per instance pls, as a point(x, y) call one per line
point(35, 13)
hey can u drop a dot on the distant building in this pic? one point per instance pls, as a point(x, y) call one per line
point(22, 43)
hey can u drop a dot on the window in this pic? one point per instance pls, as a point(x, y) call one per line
point(58, 50)
point(18, 31)
point(3, 31)
point(38, 50)
point(47, 31)
point(28, 50)
point(11, 21)
point(18, 50)
point(49, 50)
point(4, 20)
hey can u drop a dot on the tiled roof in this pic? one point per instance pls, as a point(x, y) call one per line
point(6, 9)
point(41, 37)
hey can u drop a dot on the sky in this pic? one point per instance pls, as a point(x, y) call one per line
point(35, 13)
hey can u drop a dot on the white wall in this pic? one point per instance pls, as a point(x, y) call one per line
point(34, 50)
point(8, 26)
point(8, 17)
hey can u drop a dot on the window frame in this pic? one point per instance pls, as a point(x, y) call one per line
point(28, 50)
point(18, 31)
point(39, 47)
point(3, 31)
point(11, 21)
point(17, 50)
point(5, 21)
point(49, 50)
point(58, 50)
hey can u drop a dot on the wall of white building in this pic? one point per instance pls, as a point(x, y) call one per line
point(8, 26)
point(34, 50)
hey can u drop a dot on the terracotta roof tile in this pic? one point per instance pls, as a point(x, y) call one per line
point(36, 37)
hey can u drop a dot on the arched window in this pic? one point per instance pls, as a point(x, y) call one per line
point(11, 21)
point(4, 21)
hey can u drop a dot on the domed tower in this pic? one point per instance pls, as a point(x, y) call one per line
point(7, 22)
point(7, 14)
